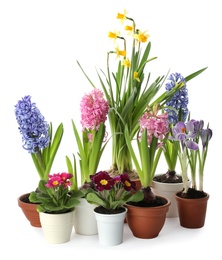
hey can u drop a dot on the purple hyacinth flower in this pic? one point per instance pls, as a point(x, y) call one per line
point(32, 125)
point(179, 101)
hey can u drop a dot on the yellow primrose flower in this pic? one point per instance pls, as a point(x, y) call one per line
point(135, 75)
point(122, 17)
point(120, 53)
point(126, 63)
point(141, 36)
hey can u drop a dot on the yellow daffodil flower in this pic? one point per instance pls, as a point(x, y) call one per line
point(141, 36)
point(120, 53)
point(135, 75)
point(129, 28)
point(126, 63)
point(122, 17)
point(113, 35)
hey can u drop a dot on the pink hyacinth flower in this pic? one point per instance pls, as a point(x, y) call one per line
point(156, 125)
point(94, 110)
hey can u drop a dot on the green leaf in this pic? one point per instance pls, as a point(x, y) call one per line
point(146, 159)
point(54, 148)
point(95, 154)
point(72, 169)
point(94, 199)
point(193, 75)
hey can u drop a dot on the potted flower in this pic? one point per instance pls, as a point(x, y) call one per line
point(91, 144)
point(150, 142)
point(168, 183)
point(56, 206)
point(189, 135)
point(39, 142)
point(128, 90)
point(110, 194)
point(94, 110)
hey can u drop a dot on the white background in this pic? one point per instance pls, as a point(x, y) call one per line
point(40, 42)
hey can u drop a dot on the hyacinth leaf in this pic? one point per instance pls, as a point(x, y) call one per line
point(54, 148)
point(146, 158)
point(79, 143)
point(193, 75)
point(167, 95)
point(95, 155)
point(82, 154)
point(39, 169)
point(155, 163)
point(72, 169)
point(171, 154)
point(46, 151)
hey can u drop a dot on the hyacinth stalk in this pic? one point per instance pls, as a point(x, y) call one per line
point(150, 137)
point(177, 111)
point(37, 136)
point(44, 158)
point(129, 92)
point(94, 109)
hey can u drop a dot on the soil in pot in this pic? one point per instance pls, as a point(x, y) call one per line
point(158, 201)
point(168, 177)
point(103, 210)
point(192, 194)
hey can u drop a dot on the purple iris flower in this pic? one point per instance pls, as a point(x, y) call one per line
point(32, 125)
point(179, 101)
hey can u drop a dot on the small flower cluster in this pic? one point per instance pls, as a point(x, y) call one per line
point(59, 179)
point(112, 192)
point(103, 181)
point(32, 125)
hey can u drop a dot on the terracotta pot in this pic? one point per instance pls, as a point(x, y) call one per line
point(146, 222)
point(168, 190)
point(29, 210)
point(192, 212)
